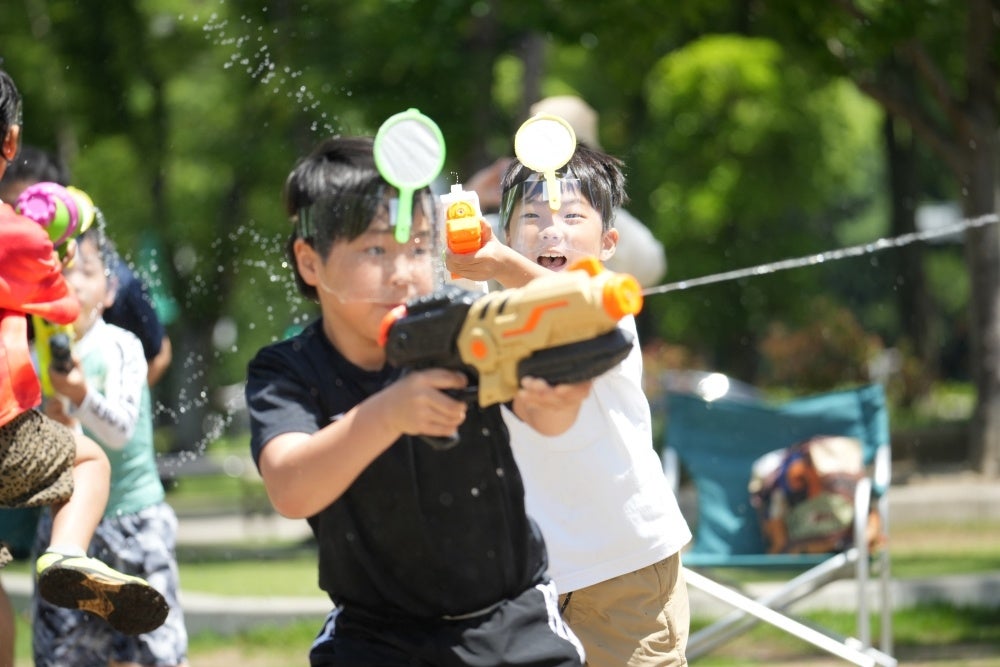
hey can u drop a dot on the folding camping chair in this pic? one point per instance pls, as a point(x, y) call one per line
point(717, 442)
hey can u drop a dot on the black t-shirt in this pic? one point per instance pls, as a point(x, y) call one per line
point(422, 532)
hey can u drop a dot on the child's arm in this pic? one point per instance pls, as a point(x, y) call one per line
point(112, 412)
point(31, 273)
point(303, 473)
point(550, 410)
point(494, 261)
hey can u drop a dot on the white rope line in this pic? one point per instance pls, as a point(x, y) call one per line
point(828, 256)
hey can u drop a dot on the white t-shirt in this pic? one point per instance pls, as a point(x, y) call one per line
point(598, 491)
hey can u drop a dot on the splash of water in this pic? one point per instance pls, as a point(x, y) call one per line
point(859, 250)
point(250, 52)
point(244, 43)
point(224, 404)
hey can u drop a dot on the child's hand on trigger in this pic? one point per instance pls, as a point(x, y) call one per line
point(478, 265)
point(417, 403)
point(72, 385)
point(541, 394)
point(494, 261)
point(67, 259)
point(550, 409)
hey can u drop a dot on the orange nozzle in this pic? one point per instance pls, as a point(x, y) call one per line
point(390, 318)
point(622, 296)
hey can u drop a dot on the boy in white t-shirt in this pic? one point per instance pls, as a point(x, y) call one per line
point(610, 520)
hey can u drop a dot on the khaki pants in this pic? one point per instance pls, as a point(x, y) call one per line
point(639, 619)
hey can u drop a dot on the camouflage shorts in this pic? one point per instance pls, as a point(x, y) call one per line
point(141, 544)
point(36, 469)
point(36, 461)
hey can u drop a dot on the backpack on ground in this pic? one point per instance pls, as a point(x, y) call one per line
point(804, 495)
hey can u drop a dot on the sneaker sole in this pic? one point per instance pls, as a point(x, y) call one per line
point(129, 607)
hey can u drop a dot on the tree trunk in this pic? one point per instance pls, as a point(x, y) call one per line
point(483, 49)
point(983, 256)
point(980, 150)
point(533, 56)
point(912, 299)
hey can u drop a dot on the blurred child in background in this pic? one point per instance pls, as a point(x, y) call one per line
point(106, 392)
point(42, 463)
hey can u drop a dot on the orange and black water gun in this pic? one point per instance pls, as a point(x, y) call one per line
point(561, 328)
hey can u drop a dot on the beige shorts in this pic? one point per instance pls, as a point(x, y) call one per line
point(639, 619)
point(36, 461)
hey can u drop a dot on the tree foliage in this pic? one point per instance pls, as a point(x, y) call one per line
point(750, 131)
point(750, 161)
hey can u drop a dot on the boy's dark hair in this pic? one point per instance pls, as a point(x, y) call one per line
point(105, 248)
point(337, 166)
point(10, 104)
point(600, 175)
point(36, 165)
point(333, 194)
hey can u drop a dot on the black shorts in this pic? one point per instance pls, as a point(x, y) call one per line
point(526, 631)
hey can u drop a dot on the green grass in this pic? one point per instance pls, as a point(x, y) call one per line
point(289, 569)
point(218, 494)
point(298, 633)
point(919, 632)
point(285, 571)
point(930, 564)
point(917, 551)
point(926, 632)
point(941, 634)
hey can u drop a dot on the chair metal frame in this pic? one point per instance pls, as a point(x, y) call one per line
point(709, 438)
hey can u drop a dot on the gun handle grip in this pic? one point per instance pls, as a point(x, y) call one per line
point(465, 236)
point(439, 443)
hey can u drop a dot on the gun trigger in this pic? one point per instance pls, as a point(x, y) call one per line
point(469, 393)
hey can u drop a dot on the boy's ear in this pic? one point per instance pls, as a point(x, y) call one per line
point(11, 142)
point(609, 243)
point(307, 261)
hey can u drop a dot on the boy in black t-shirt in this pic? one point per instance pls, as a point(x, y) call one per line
point(427, 553)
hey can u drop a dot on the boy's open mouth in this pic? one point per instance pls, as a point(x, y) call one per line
point(552, 261)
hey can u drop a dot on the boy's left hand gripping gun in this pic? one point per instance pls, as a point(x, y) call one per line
point(561, 328)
